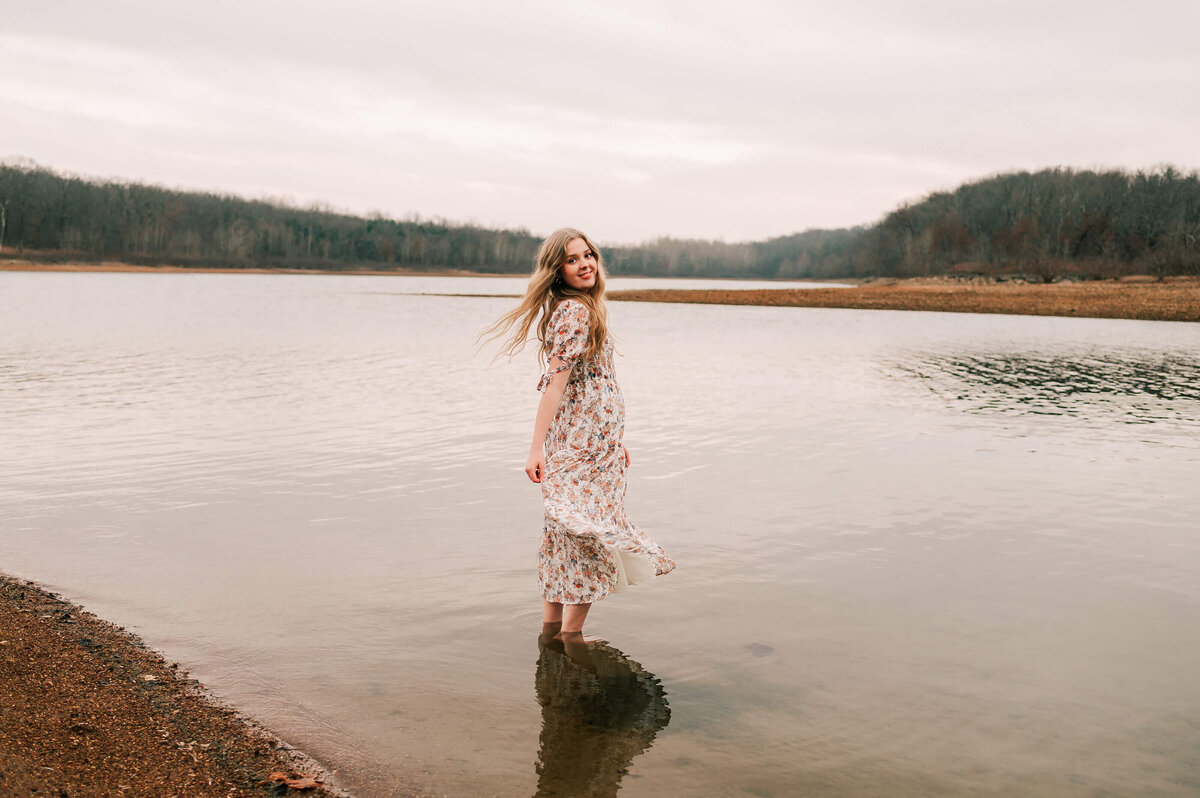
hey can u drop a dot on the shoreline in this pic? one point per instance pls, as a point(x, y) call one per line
point(89, 709)
point(1172, 300)
point(1138, 298)
point(117, 267)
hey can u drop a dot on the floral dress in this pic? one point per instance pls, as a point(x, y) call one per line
point(589, 549)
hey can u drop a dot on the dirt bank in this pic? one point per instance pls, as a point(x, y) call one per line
point(87, 710)
point(1174, 300)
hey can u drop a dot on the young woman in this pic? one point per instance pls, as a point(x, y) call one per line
point(589, 548)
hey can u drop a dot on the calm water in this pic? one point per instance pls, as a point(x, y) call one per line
point(919, 554)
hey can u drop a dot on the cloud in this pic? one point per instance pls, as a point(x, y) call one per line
point(723, 120)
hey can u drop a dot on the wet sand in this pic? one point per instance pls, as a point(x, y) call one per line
point(1172, 300)
point(87, 709)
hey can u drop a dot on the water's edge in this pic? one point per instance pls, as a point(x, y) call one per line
point(178, 700)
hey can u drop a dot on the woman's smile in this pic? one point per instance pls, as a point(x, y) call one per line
point(579, 268)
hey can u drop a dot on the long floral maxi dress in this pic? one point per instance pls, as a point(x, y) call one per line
point(589, 548)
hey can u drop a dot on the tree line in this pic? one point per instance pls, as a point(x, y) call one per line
point(1046, 224)
point(56, 217)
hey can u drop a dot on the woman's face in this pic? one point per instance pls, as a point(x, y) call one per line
point(579, 269)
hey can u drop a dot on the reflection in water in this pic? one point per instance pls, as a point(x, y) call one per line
point(1141, 389)
point(600, 709)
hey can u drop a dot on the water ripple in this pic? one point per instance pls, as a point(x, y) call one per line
point(1135, 389)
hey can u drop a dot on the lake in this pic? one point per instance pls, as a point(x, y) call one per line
point(918, 554)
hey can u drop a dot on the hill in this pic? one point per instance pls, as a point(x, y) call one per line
point(1047, 224)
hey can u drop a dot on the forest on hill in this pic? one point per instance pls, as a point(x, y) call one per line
point(1047, 224)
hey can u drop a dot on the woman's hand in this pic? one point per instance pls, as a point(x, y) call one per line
point(535, 466)
point(626, 455)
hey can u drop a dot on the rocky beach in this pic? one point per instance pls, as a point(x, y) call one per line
point(89, 710)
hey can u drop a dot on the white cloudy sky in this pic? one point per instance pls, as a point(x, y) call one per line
point(733, 120)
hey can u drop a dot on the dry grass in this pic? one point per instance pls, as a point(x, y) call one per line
point(1174, 300)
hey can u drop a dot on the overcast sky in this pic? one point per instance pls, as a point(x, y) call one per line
point(734, 120)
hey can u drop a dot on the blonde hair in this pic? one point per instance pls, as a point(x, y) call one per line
point(546, 290)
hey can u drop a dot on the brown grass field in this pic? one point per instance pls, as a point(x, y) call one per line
point(1171, 300)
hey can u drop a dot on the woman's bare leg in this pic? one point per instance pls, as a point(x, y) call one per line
point(549, 632)
point(573, 616)
point(577, 650)
point(552, 612)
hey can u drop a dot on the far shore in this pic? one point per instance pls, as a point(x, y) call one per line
point(15, 265)
point(10, 265)
point(1135, 297)
point(1175, 299)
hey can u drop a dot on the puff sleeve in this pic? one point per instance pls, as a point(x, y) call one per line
point(566, 339)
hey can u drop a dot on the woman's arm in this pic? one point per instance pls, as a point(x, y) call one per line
point(535, 466)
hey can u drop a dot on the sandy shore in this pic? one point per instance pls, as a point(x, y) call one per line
point(87, 710)
point(117, 267)
point(1173, 300)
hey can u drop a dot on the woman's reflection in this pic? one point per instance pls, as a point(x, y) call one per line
point(600, 709)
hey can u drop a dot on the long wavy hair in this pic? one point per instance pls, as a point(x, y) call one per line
point(546, 289)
